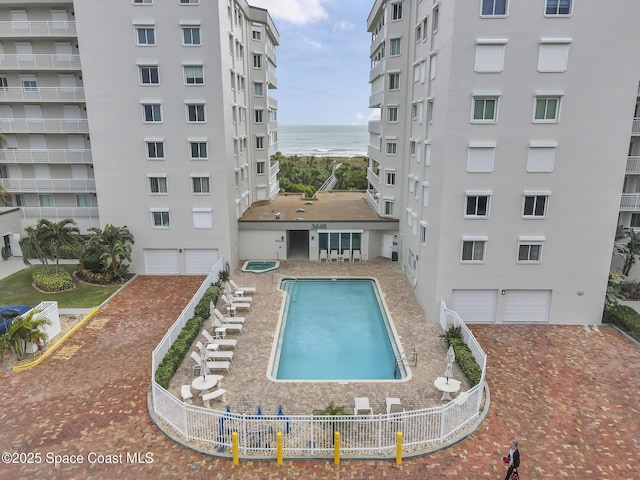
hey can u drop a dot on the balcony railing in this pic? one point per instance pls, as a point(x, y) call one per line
point(376, 71)
point(635, 129)
point(59, 213)
point(272, 103)
point(46, 94)
point(274, 169)
point(375, 100)
point(46, 156)
point(375, 43)
point(630, 202)
point(374, 152)
point(49, 185)
point(372, 178)
point(43, 125)
point(40, 61)
point(38, 29)
point(374, 127)
point(633, 165)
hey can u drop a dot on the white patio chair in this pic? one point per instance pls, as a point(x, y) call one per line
point(227, 318)
point(222, 342)
point(211, 365)
point(357, 256)
point(235, 286)
point(228, 327)
point(362, 406)
point(323, 255)
point(346, 256)
point(334, 255)
point(394, 405)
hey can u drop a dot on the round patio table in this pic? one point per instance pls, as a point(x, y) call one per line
point(447, 386)
point(201, 383)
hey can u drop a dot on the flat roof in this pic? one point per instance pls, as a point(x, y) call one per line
point(325, 206)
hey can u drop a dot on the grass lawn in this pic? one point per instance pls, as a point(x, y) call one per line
point(17, 289)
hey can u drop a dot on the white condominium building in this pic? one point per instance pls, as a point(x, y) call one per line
point(501, 149)
point(154, 114)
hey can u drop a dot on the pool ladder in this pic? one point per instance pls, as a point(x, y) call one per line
point(409, 357)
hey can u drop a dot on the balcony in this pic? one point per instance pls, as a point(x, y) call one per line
point(635, 129)
point(46, 156)
point(59, 213)
point(630, 202)
point(38, 29)
point(272, 103)
point(375, 127)
point(373, 201)
point(633, 165)
point(48, 94)
point(43, 125)
point(374, 153)
point(377, 41)
point(376, 71)
point(272, 80)
point(49, 185)
point(40, 61)
point(274, 169)
point(372, 177)
point(375, 100)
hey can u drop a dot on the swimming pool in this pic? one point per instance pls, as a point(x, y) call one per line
point(335, 329)
point(260, 266)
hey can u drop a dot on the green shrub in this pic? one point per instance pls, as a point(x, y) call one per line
point(93, 277)
point(624, 317)
point(53, 282)
point(67, 251)
point(211, 295)
point(93, 264)
point(464, 358)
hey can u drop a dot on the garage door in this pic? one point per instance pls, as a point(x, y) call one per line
point(200, 261)
point(526, 306)
point(475, 306)
point(161, 261)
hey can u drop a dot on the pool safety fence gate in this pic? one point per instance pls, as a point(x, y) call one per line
point(311, 436)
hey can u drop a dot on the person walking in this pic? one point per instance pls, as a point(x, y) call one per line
point(514, 459)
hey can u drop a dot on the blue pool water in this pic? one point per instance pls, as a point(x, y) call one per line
point(334, 330)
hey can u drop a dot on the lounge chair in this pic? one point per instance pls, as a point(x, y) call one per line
point(211, 365)
point(232, 305)
point(357, 256)
point(228, 327)
point(394, 405)
point(323, 255)
point(334, 255)
point(235, 286)
point(214, 353)
point(362, 406)
point(221, 342)
point(185, 392)
point(216, 394)
point(227, 318)
point(236, 295)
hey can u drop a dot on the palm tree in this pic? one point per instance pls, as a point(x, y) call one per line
point(113, 244)
point(45, 240)
point(24, 330)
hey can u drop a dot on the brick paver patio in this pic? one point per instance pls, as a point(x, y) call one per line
point(571, 399)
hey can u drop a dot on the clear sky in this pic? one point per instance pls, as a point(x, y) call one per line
point(322, 60)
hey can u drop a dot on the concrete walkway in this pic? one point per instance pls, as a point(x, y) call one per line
point(571, 399)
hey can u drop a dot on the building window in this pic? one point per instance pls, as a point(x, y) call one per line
point(189, 2)
point(547, 109)
point(194, 75)
point(392, 147)
point(392, 114)
point(198, 150)
point(484, 109)
point(202, 218)
point(200, 185)
point(529, 252)
point(30, 84)
point(160, 219)
point(146, 36)
point(260, 167)
point(433, 62)
point(423, 233)
point(489, 56)
point(149, 75)
point(394, 81)
point(480, 158)
point(83, 200)
point(473, 251)
point(419, 33)
point(155, 150)
point(436, 18)
point(258, 89)
point(390, 178)
point(553, 55)
point(535, 206)
point(389, 207)
point(191, 36)
point(152, 112)
point(635, 219)
point(257, 60)
point(143, 2)
point(259, 115)
point(425, 195)
point(494, 7)
point(412, 147)
point(558, 7)
point(256, 32)
point(477, 206)
point(541, 157)
point(430, 111)
point(195, 113)
point(20, 202)
point(396, 11)
point(46, 201)
point(158, 185)
point(394, 45)
point(260, 143)
point(3, 83)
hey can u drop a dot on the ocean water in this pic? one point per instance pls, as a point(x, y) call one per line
point(323, 140)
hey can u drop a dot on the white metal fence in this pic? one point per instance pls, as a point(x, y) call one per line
point(311, 436)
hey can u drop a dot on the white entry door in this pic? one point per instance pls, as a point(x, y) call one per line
point(475, 306)
point(387, 246)
point(527, 306)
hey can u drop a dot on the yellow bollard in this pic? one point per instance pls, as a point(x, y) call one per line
point(336, 448)
point(279, 447)
point(398, 448)
point(234, 448)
